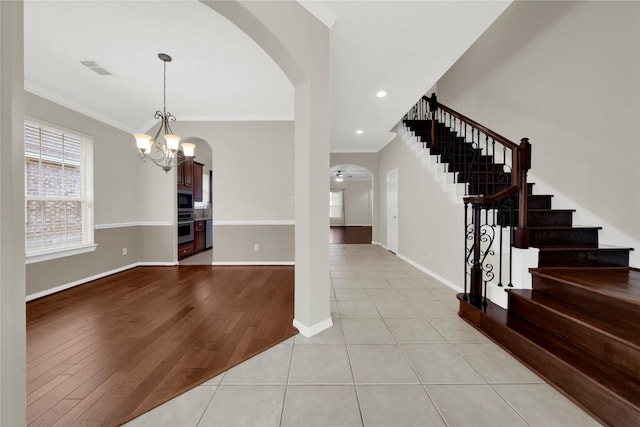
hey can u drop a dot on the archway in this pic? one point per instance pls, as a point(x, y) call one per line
point(351, 204)
point(300, 45)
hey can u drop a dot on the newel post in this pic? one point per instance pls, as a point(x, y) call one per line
point(433, 106)
point(521, 234)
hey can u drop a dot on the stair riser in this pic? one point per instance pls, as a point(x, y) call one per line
point(542, 219)
point(584, 258)
point(617, 353)
point(580, 387)
point(572, 237)
point(539, 202)
point(602, 306)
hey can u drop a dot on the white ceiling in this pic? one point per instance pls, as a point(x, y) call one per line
point(219, 73)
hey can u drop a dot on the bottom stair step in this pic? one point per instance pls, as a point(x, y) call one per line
point(606, 392)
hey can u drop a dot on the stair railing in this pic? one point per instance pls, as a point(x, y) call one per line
point(494, 171)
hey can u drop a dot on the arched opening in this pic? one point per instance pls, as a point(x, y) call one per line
point(350, 204)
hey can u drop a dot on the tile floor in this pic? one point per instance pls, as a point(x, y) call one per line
point(397, 355)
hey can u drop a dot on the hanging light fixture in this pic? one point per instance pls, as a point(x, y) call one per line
point(165, 153)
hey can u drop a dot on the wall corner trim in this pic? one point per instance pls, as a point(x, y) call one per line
point(309, 331)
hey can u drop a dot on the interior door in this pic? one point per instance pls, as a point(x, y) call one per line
point(392, 211)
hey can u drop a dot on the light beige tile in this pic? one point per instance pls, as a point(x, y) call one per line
point(375, 283)
point(397, 406)
point(396, 309)
point(321, 406)
point(320, 364)
point(269, 367)
point(183, 411)
point(367, 331)
point(473, 405)
point(343, 274)
point(416, 294)
point(434, 309)
point(245, 406)
point(357, 309)
point(542, 406)
point(496, 365)
point(440, 364)
point(346, 283)
point(385, 295)
point(380, 364)
point(457, 331)
point(413, 331)
point(215, 380)
point(351, 295)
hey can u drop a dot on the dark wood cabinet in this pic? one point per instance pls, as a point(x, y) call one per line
point(199, 236)
point(185, 174)
point(186, 249)
point(197, 181)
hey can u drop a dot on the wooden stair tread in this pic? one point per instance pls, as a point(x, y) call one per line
point(597, 370)
point(556, 227)
point(617, 283)
point(586, 248)
point(613, 329)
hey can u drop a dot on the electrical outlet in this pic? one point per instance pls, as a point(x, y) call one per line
point(256, 247)
point(124, 251)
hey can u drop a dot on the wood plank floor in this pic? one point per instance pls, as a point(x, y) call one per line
point(105, 352)
point(350, 235)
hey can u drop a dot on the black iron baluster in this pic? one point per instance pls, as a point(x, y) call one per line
point(466, 249)
point(511, 234)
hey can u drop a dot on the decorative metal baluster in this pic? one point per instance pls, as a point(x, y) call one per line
point(466, 250)
point(511, 234)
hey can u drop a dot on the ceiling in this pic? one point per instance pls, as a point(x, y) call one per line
point(219, 73)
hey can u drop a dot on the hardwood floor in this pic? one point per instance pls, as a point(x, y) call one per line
point(350, 235)
point(105, 352)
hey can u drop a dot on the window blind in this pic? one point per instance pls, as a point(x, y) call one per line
point(58, 189)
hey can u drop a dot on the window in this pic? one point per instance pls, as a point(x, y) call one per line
point(58, 192)
point(336, 207)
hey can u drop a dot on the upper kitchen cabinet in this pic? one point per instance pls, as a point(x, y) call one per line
point(197, 181)
point(185, 174)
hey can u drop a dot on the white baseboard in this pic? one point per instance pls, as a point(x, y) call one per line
point(221, 263)
point(425, 270)
point(309, 331)
point(82, 281)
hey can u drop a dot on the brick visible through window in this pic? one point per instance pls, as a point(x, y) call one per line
point(58, 189)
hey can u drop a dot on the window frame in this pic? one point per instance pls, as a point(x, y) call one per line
point(87, 196)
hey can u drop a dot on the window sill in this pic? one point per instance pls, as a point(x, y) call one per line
point(60, 253)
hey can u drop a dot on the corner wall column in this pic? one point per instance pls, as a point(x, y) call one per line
point(12, 265)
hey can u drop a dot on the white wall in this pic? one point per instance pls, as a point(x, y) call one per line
point(567, 76)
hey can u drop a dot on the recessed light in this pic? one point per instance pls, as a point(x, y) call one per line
point(359, 131)
point(381, 94)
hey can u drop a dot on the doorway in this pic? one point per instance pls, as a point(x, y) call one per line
point(350, 204)
point(392, 211)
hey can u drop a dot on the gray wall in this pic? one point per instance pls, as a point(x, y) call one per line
point(430, 227)
point(253, 186)
point(357, 201)
point(120, 217)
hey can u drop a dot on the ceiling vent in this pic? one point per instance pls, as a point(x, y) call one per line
point(95, 67)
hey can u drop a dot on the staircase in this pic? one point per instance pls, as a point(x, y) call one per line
point(579, 325)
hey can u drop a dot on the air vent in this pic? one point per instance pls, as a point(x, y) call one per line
point(95, 67)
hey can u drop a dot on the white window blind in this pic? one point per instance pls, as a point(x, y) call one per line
point(58, 189)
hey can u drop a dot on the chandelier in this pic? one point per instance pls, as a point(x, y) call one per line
point(165, 153)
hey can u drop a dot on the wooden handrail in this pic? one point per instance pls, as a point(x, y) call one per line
point(499, 138)
point(485, 200)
